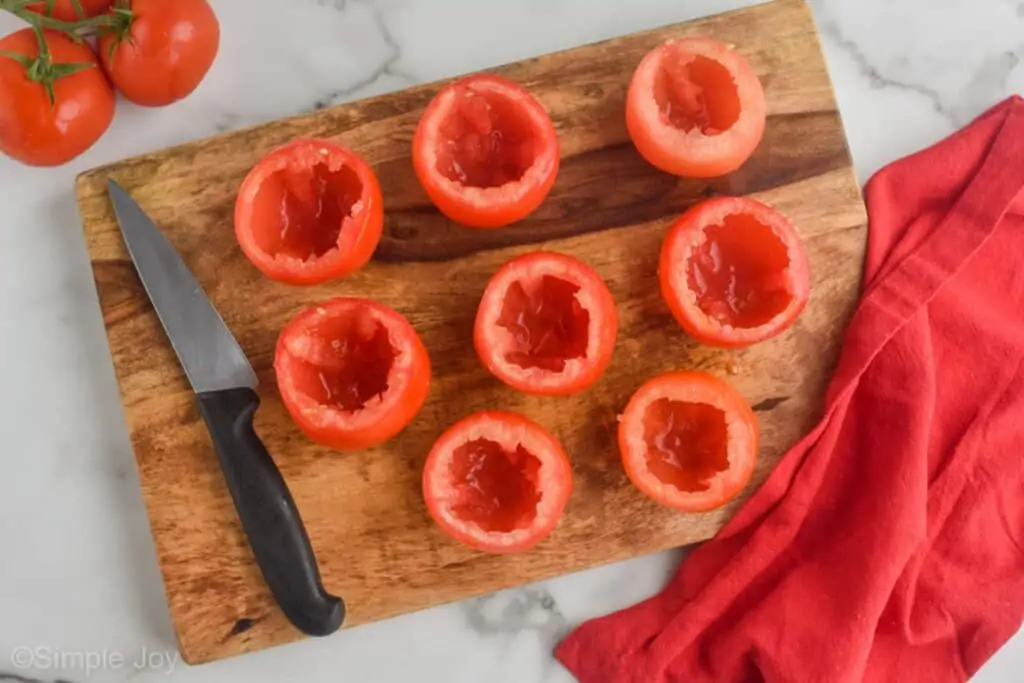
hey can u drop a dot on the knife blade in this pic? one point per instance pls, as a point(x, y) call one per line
point(224, 384)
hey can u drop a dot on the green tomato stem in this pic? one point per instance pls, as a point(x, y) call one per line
point(72, 28)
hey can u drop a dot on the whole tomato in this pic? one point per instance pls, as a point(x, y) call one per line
point(162, 50)
point(65, 9)
point(39, 131)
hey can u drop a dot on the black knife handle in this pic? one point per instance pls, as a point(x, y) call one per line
point(268, 513)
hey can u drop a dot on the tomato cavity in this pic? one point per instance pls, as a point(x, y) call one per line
point(739, 273)
point(696, 92)
point(301, 210)
point(548, 324)
point(687, 443)
point(496, 489)
point(487, 140)
point(347, 363)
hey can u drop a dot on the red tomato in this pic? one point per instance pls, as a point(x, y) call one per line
point(497, 482)
point(65, 9)
point(485, 151)
point(688, 440)
point(38, 132)
point(695, 108)
point(352, 372)
point(546, 324)
point(734, 272)
point(163, 53)
point(308, 212)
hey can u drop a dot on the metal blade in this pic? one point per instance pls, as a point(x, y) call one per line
point(208, 352)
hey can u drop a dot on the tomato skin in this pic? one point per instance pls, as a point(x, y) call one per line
point(509, 430)
point(491, 207)
point(65, 9)
point(694, 154)
point(408, 378)
point(696, 387)
point(357, 240)
point(687, 231)
point(492, 341)
point(169, 50)
point(32, 130)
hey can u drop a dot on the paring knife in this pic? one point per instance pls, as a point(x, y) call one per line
point(224, 383)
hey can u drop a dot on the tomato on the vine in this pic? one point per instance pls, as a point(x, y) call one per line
point(160, 51)
point(40, 131)
point(65, 10)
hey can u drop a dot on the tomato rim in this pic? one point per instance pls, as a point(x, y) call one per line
point(690, 387)
point(688, 232)
point(383, 416)
point(509, 430)
point(491, 340)
point(490, 207)
point(360, 231)
point(692, 153)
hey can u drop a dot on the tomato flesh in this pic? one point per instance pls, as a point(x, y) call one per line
point(347, 364)
point(738, 273)
point(489, 141)
point(485, 151)
point(734, 272)
point(688, 440)
point(546, 324)
point(309, 212)
point(687, 444)
point(696, 93)
point(351, 372)
point(496, 488)
point(300, 211)
point(497, 481)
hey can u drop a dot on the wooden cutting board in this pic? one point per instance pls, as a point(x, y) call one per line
point(368, 525)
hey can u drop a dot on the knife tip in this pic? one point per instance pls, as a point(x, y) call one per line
point(114, 186)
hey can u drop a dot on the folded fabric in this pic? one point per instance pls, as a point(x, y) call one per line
point(888, 545)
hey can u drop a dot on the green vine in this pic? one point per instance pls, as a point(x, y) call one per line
point(41, 69)
point(76, 29)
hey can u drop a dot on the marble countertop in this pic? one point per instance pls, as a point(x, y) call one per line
point(79, 586)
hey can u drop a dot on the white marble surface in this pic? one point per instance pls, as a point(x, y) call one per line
point(78, 580)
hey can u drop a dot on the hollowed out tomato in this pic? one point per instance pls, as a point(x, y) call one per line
point(734, 272)
point(309, 212)
point(352, 372)
point(688, 440)
point(485, 152)
point(497, 482)
point(695, 108)
point(546, 324)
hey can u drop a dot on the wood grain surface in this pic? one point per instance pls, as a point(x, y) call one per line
point(368, 525)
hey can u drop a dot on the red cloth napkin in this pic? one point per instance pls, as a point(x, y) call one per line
point(888, 545)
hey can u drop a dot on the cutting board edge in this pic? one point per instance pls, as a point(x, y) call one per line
point(90, 173)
